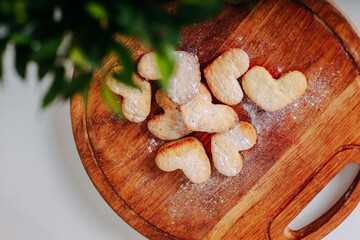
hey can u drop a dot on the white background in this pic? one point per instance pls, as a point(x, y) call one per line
point(44, 190)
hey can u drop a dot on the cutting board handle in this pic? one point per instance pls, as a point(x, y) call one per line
point(335, 215)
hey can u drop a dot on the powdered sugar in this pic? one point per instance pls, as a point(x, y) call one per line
point(199, 198)
point(283, 122)
point(185, 81)
point(237, 136)
point(204, 198)
point(260, 119)
point(152, 145)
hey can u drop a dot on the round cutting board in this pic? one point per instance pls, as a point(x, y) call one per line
point(299, 148)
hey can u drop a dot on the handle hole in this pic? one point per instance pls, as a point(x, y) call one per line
point(326, 203)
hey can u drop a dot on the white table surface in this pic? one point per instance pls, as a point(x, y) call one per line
point(45, 192)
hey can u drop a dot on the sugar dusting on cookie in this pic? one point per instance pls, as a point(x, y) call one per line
point(185, 80)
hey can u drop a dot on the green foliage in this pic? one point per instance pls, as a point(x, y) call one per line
point(96, 10)
point(50, 32)
point(112, 101)
point(56, 84)
point(2, 48)
point(127, 66)
point(166, 64)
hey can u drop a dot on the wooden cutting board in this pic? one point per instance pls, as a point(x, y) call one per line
point(299, 148)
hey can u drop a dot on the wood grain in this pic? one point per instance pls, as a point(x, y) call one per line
point(295, 145)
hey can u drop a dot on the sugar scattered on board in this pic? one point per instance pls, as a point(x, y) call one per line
point(205, 197)
point(152, 145)
point(198, 197)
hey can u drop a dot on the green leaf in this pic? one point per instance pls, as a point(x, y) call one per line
point(78, 84)
point(85, 91)
point(156, 23)
point(21, 59)
point(78, 57)
point(166, 64)
point(20, 11)
point(123, 77)
point(112, 100)
point(47, 51)
point(55, 88)
point(125, 56)
point(45, 56)
point(2, 49)
point(191, 13)
point(6, 7)
point(96, 10)
point(44, 67)
point(127, 66)
point(130, 20)
point(21, 39)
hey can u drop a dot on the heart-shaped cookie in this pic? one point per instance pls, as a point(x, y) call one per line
point(185, 80)
point(136, 101)
point(270, 94)
point(168, 125)
point(221, 75)
point(187, 154)
point(225, 147)
point(200, 114)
